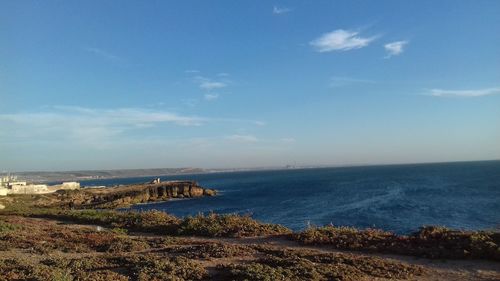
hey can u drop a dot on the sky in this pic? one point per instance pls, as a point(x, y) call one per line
point(233, 84)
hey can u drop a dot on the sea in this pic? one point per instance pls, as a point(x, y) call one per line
point(398, 198)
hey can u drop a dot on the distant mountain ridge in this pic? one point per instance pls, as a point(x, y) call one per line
point(55, 176)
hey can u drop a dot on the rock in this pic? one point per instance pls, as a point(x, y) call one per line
point(2, 207)
point(196, 191)
point(209, 192)
point(121, 196)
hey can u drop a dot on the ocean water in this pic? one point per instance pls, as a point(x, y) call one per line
point(398, 198)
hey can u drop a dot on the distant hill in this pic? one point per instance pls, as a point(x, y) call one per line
point(43, 176)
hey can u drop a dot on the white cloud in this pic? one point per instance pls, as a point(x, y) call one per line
point(191, 71)
point(90, 126)
point(100, 127)
point(210, 97)
point(242, 138)
point(209, 84)
point(463, 93)
point(103, 53)
point(341, 40)
point(345, 81)
point(281, 10)
point(395, 48)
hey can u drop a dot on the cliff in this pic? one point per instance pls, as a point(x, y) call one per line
point(123, 196)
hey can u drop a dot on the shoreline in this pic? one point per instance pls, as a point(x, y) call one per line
point(203, 171)
point(116, 245)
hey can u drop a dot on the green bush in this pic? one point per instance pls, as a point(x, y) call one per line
point(6, 227)
point(214, 225)
point(430, 242)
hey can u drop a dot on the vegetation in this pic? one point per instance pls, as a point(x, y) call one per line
point(214, 250)
point(112, 245)
point(430, 242)
point(122, 267)
point(279, 264)
point(45, 250)
point(214, 225)
point(6, 227)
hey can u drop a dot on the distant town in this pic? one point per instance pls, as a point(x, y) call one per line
point(60, 176)
point(11, 185)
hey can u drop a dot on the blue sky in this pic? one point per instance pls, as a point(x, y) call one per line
point(217, 84)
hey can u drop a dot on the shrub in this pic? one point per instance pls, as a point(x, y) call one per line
point(119, 231)
point(6, 227)
point(214, 250)
point(430, 242)
point(214, 225)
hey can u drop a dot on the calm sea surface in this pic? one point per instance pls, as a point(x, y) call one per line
point(398, 197)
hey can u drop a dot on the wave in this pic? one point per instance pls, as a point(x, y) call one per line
point(393, 193)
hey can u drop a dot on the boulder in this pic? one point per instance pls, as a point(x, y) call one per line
point(209, 192)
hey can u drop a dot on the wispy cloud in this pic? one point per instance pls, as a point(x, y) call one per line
point(210, 97)
point(243, 138)
point(191, 71)
point(463, 93)
point(209, 84)
point(340, 40)
point(190, 102)
point(97, 126)
point(281, 10)
point(395, 48)
point(336, 82)
point(88, 125)
point(102, 53)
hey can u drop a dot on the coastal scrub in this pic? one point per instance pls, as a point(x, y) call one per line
point(429, 242)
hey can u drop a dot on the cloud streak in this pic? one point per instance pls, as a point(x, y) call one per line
point(336, 82)
point(243, 138)
point(395, 48)
point(100, 127)
point(102, 53)
point(463, 93)
point(281, 10)
point(210, 97)
point(340, 40)
point(94, 127)
point(209, 84)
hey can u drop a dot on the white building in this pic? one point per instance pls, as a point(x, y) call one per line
point(10, 185)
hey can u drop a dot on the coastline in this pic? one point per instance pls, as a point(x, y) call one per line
point(226, 247)
point(91, 175)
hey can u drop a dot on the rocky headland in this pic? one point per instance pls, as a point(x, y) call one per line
point(125, 196)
